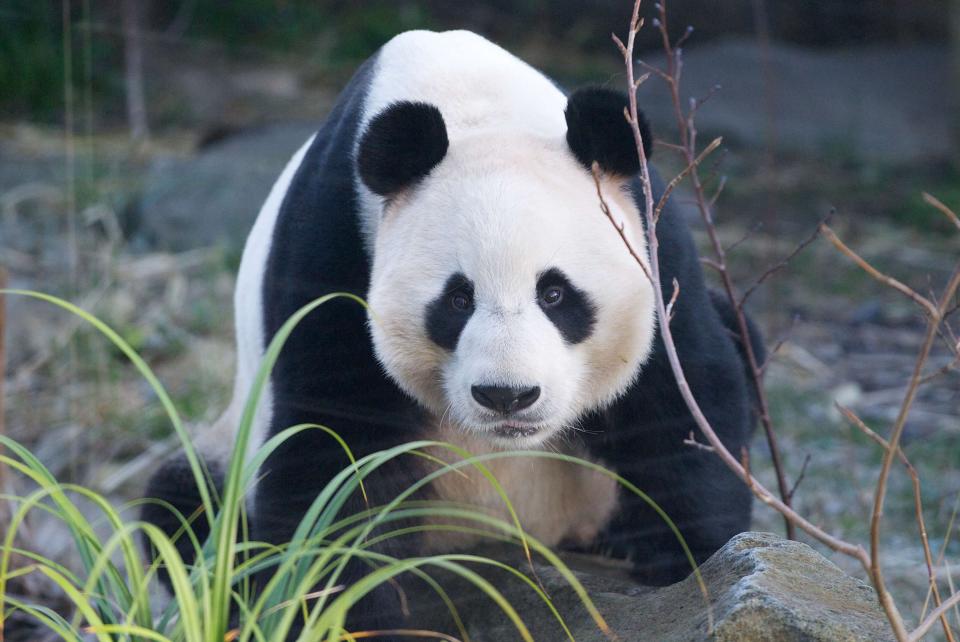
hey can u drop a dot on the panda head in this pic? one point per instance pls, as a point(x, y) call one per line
point(501, 297)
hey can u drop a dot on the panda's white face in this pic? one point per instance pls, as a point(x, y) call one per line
point(501, 296)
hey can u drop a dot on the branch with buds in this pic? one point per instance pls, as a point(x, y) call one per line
point(936, 310)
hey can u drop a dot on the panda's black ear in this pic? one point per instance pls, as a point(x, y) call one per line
point(400, 146)
point(598, 131)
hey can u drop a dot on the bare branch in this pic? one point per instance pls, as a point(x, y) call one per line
point(697, 103)
point(686, 34)
point(803, 471)
point(671, 146)
point(946, 211)
point(917, 503)
point(785, 261)
point(673, 299)
point(931, 619)
point(917, 298)
point(622, 47)
point(595, 170)
point(679, 177)
point(870, 561)
point(654, 70)
point(894, 444)
point(747, 236)
point(639, 81)
point(710, 263)
point(939, 372)
point(692, 441)
point(706, 429)
point(718, 192)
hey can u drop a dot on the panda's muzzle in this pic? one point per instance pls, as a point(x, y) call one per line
point(505, 399)
point(515, 431)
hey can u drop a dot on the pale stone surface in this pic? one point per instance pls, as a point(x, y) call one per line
point(863, 103)
point(213, 198)
point(761, 588)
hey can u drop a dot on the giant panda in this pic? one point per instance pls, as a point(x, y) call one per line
point(451, 187)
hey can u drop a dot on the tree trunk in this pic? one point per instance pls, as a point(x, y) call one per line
point(133, 62)
point(954, 88)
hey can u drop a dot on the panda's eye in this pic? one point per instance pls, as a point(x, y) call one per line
point(552, 295)
point(461, 301)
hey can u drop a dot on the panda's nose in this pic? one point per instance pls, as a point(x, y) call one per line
point(504, 398)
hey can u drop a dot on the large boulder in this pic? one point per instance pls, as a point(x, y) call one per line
point(760, 587)
point(213, 198)
point(858, 103)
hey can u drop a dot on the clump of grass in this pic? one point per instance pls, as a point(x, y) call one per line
point(110, 591)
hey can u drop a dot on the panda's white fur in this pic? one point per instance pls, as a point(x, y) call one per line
point(507, 202)
point(502, 209)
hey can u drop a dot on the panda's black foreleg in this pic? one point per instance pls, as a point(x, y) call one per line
point(293, 477)
point(729, 318)
point(697, 493)
point(642, 438)
point(174, 484)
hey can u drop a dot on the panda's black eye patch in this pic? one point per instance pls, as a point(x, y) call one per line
point(448, 314)
point(568, 307)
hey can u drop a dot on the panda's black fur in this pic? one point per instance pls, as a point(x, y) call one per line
point(328, 373)
point(597, 132)
point(400, 146)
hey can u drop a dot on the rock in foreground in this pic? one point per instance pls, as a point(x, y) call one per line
point(761, 587)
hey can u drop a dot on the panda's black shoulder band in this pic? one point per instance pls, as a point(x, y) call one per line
point(400, 146)
point(598, 131)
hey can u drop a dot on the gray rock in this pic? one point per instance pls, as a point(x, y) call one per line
point(213, 198)
point(761, 588)
point(863, 103)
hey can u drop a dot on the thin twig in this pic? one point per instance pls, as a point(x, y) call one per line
point(870, 561)
point(939, 372)
point(946, 211)
point(655, 70)
point(618, 226)
point(778, 346)
point(718, 192)
point(679, 177)
point(691, 440)
point(935, 614)
point(697, 103)
point(673, 299)
point(710, 263)
point(894, 444)
point(889, 281)
point(918, 508)
point(746, 237)
point(786, 260)
point(803, 471)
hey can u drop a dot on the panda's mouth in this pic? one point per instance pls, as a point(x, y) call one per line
point(512, 430)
